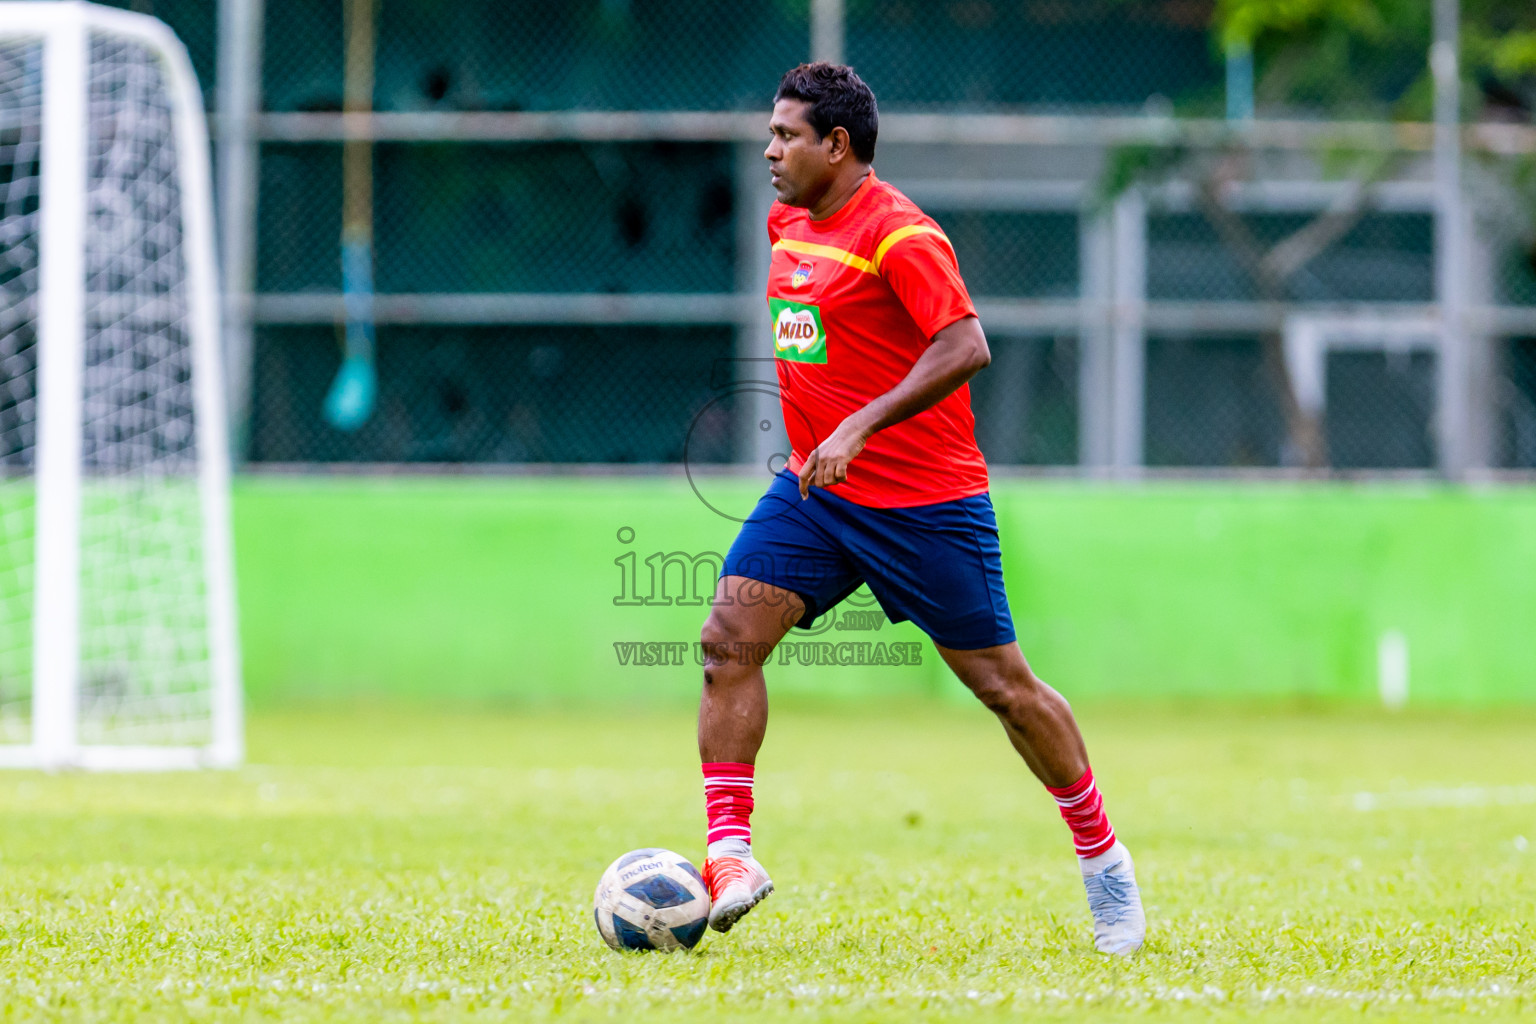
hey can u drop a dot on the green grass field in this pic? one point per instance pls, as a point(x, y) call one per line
point(445, 753)
point(375, 864)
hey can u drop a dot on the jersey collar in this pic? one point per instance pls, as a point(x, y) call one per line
point(846, 210)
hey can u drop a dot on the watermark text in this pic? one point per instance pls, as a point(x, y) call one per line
point(643, 653)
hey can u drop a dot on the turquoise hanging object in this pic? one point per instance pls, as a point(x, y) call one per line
point(350, 401)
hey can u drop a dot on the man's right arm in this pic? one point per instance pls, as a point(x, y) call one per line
point(953, 357)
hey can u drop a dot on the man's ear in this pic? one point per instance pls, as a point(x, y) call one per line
point(840, 146)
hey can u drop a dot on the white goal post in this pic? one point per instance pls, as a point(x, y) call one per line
point(117, 620)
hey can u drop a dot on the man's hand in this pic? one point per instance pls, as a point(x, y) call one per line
point(828, 462)
point(952, 358)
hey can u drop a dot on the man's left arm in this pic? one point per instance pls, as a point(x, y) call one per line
point(953, 357)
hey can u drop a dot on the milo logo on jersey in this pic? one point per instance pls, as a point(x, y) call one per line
point(797, 332)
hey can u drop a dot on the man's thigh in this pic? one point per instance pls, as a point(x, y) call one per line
point(939, 566)
point(787, 545)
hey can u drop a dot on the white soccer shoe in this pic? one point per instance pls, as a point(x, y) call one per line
point(736, 885)
point(1119, 924)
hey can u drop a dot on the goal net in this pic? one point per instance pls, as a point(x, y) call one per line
point(117, 640)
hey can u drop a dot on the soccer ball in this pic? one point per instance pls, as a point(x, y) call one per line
point(651, 899)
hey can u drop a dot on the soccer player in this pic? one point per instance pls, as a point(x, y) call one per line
point(875, 337)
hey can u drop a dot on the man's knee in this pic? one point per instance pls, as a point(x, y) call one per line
point(1011, 693)
point(717, 630)
point(727, 643)
point(715, 639)
point(728, 624)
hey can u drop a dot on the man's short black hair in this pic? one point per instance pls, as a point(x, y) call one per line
point(837, 98)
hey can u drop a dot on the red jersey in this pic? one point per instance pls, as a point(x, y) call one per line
point(855, 300)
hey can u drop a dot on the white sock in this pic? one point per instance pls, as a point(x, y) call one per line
point(1109, 858)
point(729, 848)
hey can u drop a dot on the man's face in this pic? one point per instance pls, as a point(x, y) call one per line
point(797, 159)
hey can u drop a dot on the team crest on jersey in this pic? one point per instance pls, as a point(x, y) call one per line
point(802, 274)
point(798, 334)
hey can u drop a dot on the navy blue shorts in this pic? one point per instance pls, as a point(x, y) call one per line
point(937, 565)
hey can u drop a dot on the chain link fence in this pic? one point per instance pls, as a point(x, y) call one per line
point(1516, 273)
point(1385, 257)
point(1012, 254)
point(1211, 402)
point(556, 217)
point(196, 23)
point(558, 294)
point(1517, 404)
point(1218, 401)
point(511, 55)
point(494, 394)
point(1026, 404)
point(1063, 55)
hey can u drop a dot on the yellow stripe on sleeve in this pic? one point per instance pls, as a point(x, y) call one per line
point(901, 234)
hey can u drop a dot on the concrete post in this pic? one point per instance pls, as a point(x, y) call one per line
point(827, 18)
point(1129, 340)
point(755, 403)
point(1452, 376)
point(239, 100)
point(1095, 357)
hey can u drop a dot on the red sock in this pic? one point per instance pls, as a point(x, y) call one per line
point(728, 800)
point(1082, 808)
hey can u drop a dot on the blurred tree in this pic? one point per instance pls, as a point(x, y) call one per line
point(1366, 57)
point(1347, 59)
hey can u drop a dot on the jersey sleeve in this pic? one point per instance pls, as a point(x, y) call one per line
point(921, 269)
point(773, 224)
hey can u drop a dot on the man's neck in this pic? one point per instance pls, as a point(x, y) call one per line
point(838, 195)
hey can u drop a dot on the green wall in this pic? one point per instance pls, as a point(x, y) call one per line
point(480, 589)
